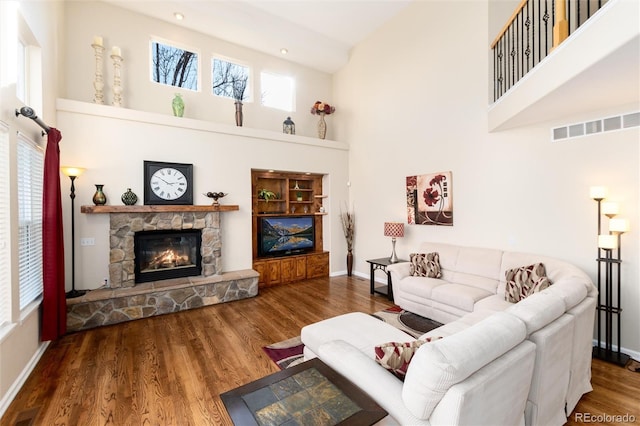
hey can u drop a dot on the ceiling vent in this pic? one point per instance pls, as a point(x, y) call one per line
point(609, 124)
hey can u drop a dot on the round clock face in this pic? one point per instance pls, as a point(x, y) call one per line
point(168, 183)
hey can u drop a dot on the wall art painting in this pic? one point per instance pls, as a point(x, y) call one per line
point(430, 199)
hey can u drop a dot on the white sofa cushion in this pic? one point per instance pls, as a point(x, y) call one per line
point(361, 330)
point(570, 293)
point(421, 286)
point(439, 365)
point(494, 303)
point(471, 266)
point(457, 326)
point(459, 296)
point(538, 310)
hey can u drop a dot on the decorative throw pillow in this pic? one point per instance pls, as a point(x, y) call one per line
point(425, 265)
point(524, 281)
point(396, 357)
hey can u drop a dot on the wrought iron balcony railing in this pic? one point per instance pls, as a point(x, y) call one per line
point(534, 29)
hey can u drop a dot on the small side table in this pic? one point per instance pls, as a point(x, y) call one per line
point(382, 264)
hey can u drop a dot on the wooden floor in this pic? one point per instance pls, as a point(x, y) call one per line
point(170, 370)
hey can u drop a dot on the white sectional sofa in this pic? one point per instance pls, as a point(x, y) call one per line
point(484, 339)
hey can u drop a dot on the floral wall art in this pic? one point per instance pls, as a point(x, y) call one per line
point(430, 199)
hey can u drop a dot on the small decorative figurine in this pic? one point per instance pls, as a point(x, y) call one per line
point(215, 196)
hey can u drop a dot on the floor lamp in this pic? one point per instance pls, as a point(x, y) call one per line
point(73, 173)
point(611, 266)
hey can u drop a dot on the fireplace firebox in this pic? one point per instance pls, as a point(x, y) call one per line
point(165, 254)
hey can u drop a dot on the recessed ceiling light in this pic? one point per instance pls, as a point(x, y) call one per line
point(179, 16)
point(284, 51)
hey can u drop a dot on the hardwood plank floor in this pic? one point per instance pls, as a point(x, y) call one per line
point(171, 369)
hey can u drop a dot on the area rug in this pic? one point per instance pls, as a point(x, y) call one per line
point(289, 352)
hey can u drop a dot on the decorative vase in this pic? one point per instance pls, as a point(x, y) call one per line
point(129, 198)
point(99, 199)
point(322, 126)
point(238, 113)
point(177, 105)
point(349, 262)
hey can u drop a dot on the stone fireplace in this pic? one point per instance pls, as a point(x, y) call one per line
point(124, 299)
point(125, 226)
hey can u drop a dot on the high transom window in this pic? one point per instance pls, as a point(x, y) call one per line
point(173, 65)
point(231, 79)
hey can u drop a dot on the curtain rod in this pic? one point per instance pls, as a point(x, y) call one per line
point(30, 113)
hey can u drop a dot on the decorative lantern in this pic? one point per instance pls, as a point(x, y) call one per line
point(289, 127)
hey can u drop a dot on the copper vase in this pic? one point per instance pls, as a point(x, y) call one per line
point(239, 113)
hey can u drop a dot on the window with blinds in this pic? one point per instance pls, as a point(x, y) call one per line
point(5, 238)
point(30, 165)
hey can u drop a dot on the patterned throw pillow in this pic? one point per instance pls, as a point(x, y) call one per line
point(396, 357)
point(524, 281)
point(425, 265)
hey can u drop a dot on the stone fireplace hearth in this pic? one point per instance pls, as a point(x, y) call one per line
point(124, 300)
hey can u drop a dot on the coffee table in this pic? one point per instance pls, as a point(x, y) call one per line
point(310, 393)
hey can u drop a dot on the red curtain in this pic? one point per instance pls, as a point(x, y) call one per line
point(54, 303)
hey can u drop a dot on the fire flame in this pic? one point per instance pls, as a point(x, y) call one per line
point(169, 259)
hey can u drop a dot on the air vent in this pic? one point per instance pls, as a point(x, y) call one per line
point(609, 124)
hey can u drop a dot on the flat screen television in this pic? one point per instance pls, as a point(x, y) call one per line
point(284, 235)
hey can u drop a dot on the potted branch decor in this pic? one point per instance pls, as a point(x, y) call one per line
point(348, 227)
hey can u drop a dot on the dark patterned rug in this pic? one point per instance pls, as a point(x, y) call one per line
point(289, 352)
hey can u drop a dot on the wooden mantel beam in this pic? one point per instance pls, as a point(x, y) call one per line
point(157, 209)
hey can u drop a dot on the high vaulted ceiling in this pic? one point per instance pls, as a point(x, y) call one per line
point(317, 33)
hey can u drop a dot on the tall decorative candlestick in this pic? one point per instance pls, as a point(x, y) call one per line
point(98, 83)
point(116, 56)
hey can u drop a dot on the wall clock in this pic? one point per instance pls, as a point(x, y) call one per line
point(168, 183)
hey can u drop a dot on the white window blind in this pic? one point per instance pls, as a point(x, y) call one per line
point(5, 241)
point(30, 171)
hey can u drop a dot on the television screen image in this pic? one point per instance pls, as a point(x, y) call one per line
point(282, 235)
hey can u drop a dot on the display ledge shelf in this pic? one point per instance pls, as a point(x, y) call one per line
point(157, 209)
point(108, 111)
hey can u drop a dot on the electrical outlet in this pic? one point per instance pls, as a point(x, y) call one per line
point(87, 241)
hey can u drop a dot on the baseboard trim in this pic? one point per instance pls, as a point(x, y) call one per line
point(22, 378)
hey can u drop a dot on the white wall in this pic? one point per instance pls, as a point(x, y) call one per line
point(112, 143)
point(132, 33)
point(413, 101)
